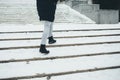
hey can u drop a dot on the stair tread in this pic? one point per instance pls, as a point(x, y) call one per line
point(56, 51)
point(42, 66)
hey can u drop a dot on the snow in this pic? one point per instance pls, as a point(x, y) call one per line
point(66, 13)
point(63, 51)
point(70, 20)
point(57, 26)
point(15, 69)
point(109, 75)
point(55, 66)
point(60, 41)
point(57, 34)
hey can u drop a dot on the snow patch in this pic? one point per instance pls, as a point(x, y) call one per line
point(65, 13)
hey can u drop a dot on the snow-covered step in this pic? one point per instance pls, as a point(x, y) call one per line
point(59, 30)
point(62, 41)
point(107, 74)
point(18, 21)
point(33, 5)
point(16, 1)
point(44, 78)
point(59, 34)
point(60, 45)
point(40, 29)
point(72, 14)
point(58, 57)
point(12, 15)
point(17, 4)
point(48, 76)
point(57, 26)
point(22, 16)
point(18, 15)
point(58, 51)
point(17, 11)
point(103, 55)
point(37, 38)
point(56, 66)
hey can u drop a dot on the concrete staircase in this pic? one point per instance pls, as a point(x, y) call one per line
point(14, 11)
point(24, 12)
point(81, 52)
point(94, 12)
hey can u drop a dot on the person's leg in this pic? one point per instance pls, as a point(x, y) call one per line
point(51, 29)
point(44, 37)
point(51, 39)
point(45, 32)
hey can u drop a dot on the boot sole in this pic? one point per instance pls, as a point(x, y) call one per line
point(52, 42)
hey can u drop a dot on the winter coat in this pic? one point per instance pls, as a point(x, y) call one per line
point(46, 9)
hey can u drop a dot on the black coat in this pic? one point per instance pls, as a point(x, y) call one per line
point(46, 9)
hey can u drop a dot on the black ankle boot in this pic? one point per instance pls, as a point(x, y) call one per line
point(51, 40)
point(43, 49)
